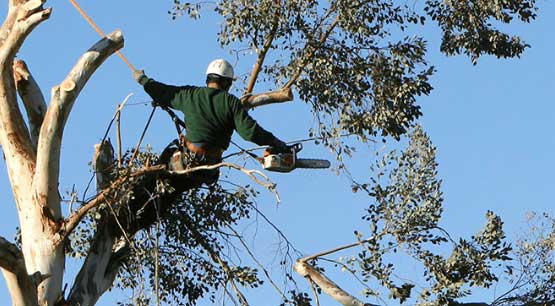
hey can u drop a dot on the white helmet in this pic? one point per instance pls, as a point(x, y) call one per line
point(220, 67)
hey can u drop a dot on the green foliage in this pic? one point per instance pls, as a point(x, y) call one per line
point(178, 253)
point(469, 26)
point(533, 276)
point(361, 65)
point(405, 219)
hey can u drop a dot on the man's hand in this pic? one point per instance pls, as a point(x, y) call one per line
point(138, 75)
point(277, 147)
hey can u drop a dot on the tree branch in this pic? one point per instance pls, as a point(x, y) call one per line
point(32, 98)
point(278, 96)
point(72, 221)
point(22, 18)
point(262, 54)
point(104, 258)
point(22, 288)
point(215, 257)
point(329, 287)
point(62, 99)
point(310, 51)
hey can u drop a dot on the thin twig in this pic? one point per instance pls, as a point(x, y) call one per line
point(314, 293)
point(266, 273)
point(348, 246)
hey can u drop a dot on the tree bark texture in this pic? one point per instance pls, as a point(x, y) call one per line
point(31, 147)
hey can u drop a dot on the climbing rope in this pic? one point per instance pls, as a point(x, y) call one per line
point(99, 31)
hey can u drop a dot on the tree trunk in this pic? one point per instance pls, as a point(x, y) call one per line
point(32, 154)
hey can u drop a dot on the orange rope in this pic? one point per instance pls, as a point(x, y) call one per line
point(93, 25)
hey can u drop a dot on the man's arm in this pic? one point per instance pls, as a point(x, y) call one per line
point(161, 94)
point(250, 130)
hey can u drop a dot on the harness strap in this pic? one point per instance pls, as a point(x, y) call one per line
point(202, 148)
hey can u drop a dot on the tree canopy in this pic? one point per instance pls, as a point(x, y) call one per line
point(362, 69)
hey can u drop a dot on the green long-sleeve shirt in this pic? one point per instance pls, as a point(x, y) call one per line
point(211, 114)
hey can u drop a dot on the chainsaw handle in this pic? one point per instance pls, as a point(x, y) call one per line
point(297, 147)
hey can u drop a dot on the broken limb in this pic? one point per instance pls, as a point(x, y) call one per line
point(312, 274)
point(278, 96)
point(324, 283)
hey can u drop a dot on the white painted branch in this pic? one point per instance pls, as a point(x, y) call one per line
point(329, 287)
point(22, 289)
point(62, 99)
point(32, 98)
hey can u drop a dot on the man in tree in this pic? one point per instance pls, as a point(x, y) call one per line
point(212, 114)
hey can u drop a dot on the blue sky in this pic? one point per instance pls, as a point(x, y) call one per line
point(492, 123)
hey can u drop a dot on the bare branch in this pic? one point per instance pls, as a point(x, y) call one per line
point(253, 257)
point(216, 258)
point(329, 287)
point(72, 221)
point(32, 98)
point(62, 99)
point(337, 249)
point(22, 289)
point(278, 96)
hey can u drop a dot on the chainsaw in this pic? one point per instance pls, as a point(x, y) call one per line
point(287, 161)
